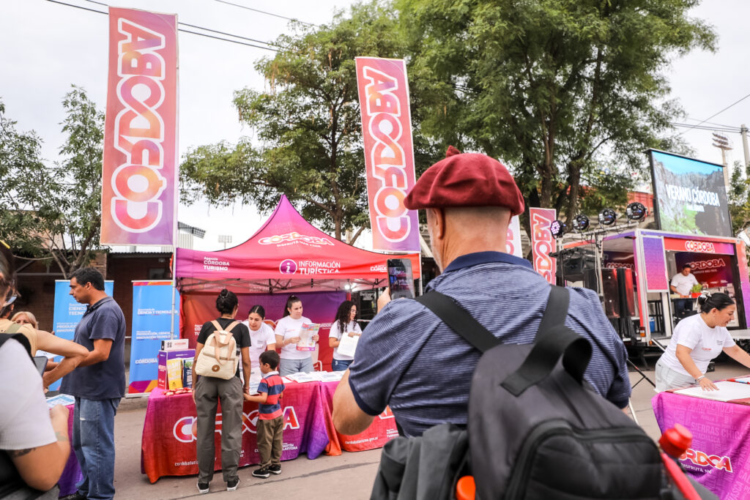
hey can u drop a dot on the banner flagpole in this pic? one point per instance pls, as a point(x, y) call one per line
point(175, 227)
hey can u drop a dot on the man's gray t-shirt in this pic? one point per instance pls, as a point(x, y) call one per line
point(410, 360)
point(105, 380)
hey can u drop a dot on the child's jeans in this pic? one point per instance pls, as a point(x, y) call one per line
point(270, 441)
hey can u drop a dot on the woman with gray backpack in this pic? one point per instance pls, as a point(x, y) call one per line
point(220, 344)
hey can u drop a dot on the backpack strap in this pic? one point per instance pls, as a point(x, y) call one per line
point(459, 320)
point(553, 341)
point(19, 337)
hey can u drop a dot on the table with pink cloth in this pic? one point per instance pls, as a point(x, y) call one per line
point(719, 458)
point(168, 447)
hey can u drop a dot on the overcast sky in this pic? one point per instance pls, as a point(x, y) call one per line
point(46, 47)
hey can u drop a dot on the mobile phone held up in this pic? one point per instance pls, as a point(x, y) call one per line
point(41, 364)
point(400, 279)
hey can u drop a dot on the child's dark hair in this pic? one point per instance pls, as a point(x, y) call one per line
point(271, 358)
point(343, 315)
point(226, 302)
point(259, 310)
point(293, 299)
point(709, 301)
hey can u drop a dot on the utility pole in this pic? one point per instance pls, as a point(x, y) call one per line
point(722, 142)
point(743, 132)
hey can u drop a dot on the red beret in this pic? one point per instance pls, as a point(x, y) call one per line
point(466, 180)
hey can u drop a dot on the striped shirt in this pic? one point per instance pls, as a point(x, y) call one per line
point(427, 383)
point(272, 385)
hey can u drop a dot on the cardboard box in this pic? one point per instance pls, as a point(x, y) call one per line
point(164, 357)
point(174, 345)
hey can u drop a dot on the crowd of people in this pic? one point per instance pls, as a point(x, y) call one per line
point(408, 359)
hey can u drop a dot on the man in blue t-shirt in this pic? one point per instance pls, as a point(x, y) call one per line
point(98, 384)
point(411, 361)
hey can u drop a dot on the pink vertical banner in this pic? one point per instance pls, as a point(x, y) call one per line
point(389, 152)
point(513, 239)
point(542, 243)
point(744, 280)
point(139, 177)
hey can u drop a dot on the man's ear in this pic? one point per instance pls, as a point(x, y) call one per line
point(438, 218)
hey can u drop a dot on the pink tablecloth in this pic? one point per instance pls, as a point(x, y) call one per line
point(719, 458)
point(382, 430)
point(169, 432)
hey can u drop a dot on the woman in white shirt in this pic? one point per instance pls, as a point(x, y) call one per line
point(288, 334)
point(345, 324)
point(262, 337)
point(696, 341)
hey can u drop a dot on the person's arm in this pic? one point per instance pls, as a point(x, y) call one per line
point(333, 336)
point(738, 354)
point(198, 349)
point(246, 368)
point(41, 467)
point(102, 347)
point(674, 290)
point(683, 356)
point(333, 342)
point(260, 398)
point(271, 347)
point(73, 354)
point(348, 418)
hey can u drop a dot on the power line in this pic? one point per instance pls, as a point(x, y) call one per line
point(710, 123)
point(716, 114)
point(204, 29)
point(264, 12)
point(733, 130)
point(182, 29)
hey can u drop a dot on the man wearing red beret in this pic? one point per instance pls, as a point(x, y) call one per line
point(410, 360)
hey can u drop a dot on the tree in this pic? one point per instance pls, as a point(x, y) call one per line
point(560, 89)
point(308, 127)
point(53, 212)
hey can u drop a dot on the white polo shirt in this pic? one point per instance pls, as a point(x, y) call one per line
point(683, 283)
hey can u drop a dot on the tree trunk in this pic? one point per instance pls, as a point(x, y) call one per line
point(574, 181)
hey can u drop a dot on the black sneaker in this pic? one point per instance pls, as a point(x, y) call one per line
point(203, 488)
point(232, 485)
point(74, 496)
point(274, 469)
point(262, 472)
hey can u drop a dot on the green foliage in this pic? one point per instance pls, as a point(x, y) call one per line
point(54, 212)
point(308, 138)
point(556, 88)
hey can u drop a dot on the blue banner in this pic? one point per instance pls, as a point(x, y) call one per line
point(68, 313)
point(152, 307)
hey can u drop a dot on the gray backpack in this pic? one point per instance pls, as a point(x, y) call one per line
point(536, 431)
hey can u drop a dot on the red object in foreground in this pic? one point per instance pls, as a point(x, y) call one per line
point(676, 441)
point(466, 489)
point(679, 478)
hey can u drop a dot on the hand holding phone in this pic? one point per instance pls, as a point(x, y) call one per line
point(400, 279)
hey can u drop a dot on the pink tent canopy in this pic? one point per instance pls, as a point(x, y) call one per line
point(287, 253)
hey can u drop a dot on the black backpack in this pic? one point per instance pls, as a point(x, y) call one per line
point(536, 430)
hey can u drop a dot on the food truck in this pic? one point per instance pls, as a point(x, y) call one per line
point(631, 266)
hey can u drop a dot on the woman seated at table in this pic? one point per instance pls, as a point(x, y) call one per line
point(345, 324)
point(262, 337)
point(288, 334)
point(696, 341)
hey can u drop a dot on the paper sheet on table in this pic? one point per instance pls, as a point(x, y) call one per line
point(60, 399)
point(728, 391)
point(348, 345)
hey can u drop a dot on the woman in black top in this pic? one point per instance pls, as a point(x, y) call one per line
point(207, 391)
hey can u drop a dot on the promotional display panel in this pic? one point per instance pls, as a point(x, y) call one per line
point(710, 270)
point(656, 265)
point(542, 243)
point(139, 172)
point(691, 196)
point(152, 310)
point(68, 313)
point(319, 307)
point(389, 152)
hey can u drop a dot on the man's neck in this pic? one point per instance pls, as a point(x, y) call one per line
point(465, 247)
point(98, 296)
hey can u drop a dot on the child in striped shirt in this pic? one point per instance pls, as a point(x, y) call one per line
point(270, 416)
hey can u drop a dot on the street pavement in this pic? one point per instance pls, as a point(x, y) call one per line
point(349, 476)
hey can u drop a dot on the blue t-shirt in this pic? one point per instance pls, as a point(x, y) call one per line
point(105, 380)
point(426, 382)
